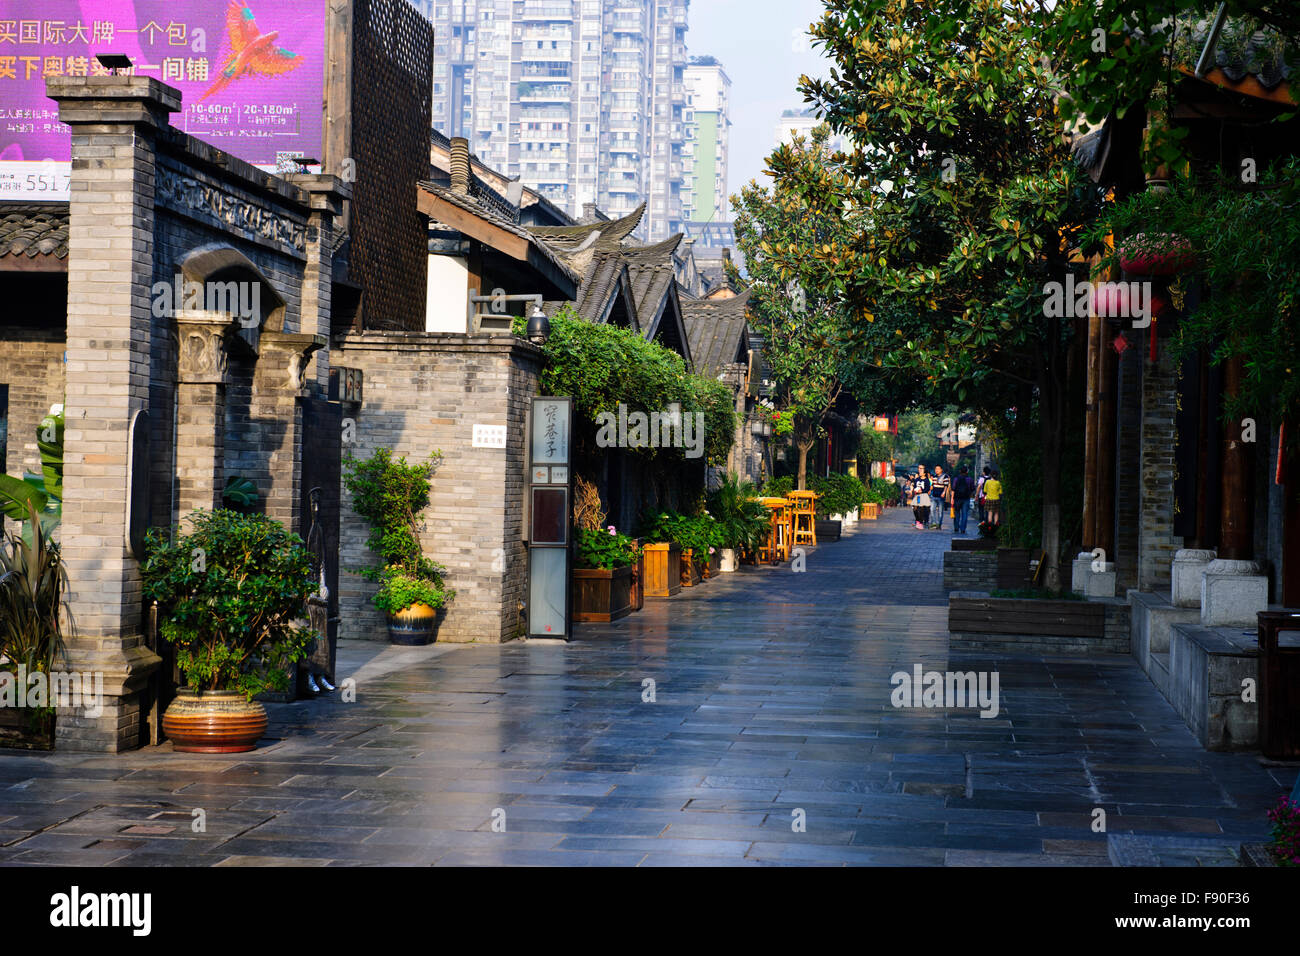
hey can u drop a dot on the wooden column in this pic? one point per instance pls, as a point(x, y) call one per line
point(1237, 514)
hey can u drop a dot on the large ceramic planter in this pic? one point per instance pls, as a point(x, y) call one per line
point(213, 722)
point(601, 595)
point(728, 562)
point(690, 569)
point(663, 574)
point(416, 626)
point(23, 728)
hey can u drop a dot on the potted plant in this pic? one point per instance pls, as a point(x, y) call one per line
point(602, 580)
point(32, 583)
point(743, 520)
point(231, 594)
point(390, 495)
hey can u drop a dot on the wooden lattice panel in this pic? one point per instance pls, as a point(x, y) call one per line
point(392, 77)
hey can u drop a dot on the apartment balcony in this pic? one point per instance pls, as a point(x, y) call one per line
point(546, 13)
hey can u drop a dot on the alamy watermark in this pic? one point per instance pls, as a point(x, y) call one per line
point(669, 429)
point(241, 299)
point(951, 689)
point(55, 689)
point(1128, 300)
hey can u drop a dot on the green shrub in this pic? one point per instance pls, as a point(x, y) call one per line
point(778, 487)
point(605, 548)
point(44, 492)
point(601, 366)
point(886, 490)
point(230, 593)
point(700, 534)
point(390, 495)
point(840, 494)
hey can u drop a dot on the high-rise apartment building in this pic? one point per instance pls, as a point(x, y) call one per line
point(802, 122)
point(583, 100)
point(708, 127)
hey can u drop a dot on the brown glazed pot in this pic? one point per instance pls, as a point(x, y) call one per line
point(213, 722)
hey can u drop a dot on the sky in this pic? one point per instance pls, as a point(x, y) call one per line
point(763, 47)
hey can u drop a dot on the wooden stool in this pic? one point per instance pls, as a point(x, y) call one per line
point(777, 548)
point(803, 516)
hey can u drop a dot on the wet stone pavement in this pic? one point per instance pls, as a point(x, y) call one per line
point(770, 740)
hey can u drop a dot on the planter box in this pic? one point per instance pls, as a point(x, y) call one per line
point(978, 621)
point(714, 566)
point(663, 571)
point(602, 595)
point(974, 544)
point(1013, 568)
point(827, 530)
point(21, 729)
point(869, 511)
point(970, 570)
point(691, 575)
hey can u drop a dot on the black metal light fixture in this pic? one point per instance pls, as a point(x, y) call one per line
point(539, 326)
point(114, 62)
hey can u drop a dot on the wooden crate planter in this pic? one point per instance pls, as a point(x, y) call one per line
point(869, 511)
point(1075, 627)
point(663, 572)
point(690, 570)
point(713, 567)
point(601, 595)
point(23, 729)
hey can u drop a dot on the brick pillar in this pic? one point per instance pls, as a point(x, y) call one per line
point(275, 414)
point(201, 410)
point(328, 194)
point(114, 123)
point(1157, 543)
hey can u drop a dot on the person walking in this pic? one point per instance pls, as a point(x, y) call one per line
point(979, 495)
point(963, 487)
point(921, 498)
point(993, 498)
point(940, 485)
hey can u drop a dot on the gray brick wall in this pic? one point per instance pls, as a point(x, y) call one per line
point(424, 393)
point(31, 364)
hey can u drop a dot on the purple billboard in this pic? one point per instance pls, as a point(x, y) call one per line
point(251, 74)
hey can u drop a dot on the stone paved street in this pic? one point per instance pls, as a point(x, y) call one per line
point(772, 695)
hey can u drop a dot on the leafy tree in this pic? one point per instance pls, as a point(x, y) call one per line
point(799, 312)
point(961, 203)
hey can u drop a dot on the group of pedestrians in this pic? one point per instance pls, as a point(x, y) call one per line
point(933, 494)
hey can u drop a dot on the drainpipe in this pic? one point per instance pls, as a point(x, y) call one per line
point(1206, 59)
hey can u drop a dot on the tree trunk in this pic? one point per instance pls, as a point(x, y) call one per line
point(1051, 421)
point(804, 447)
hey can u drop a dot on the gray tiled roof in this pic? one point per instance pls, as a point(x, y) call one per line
point(716, 330)
point(33, 229)
point(471, 205)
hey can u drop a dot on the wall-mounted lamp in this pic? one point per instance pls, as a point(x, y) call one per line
point(539, 326)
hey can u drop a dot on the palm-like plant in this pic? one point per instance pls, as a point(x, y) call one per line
point(744, 520)
point(43, 493)
point(32, 584)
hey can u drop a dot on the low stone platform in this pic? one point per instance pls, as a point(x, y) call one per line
point(1200, 670)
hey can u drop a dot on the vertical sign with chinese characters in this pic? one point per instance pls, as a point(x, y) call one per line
point(550, 527)
point(251, 74)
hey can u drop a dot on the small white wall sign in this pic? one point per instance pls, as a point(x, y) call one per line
point(489, 436)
